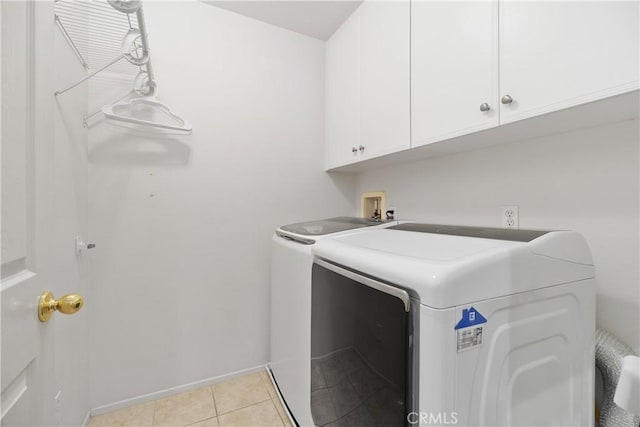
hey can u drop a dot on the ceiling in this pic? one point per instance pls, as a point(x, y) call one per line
point(318, 19)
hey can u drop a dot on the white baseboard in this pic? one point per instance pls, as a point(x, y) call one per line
point(170, 391)
point(86, 419)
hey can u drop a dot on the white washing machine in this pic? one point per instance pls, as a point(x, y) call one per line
point(291, 264)
point(442, 325)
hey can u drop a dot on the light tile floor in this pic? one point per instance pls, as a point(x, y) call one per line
point(249, 401)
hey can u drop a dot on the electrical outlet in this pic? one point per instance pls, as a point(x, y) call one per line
point(510, 216)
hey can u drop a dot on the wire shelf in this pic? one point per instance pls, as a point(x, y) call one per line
point(110, 40)
point(97, 29)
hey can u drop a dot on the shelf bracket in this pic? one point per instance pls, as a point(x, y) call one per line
point(69, 40)
point(60, 92)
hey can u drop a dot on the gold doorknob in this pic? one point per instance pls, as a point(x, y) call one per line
point(68, 304)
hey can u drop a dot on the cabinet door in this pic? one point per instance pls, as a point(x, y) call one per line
point(384, 77)
point(342, 93)
point(454, 69)
point(555, 55)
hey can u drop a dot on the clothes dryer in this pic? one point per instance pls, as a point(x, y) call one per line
point(441, 325)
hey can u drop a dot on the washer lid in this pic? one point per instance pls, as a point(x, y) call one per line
point(329, 225)
point(448, 270)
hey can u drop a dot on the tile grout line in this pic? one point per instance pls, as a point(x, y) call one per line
point(215, 411)
point(266, 379)
point(210, 388)
point(269, 398)
point(180, 394)
point(266, 382)
point(247, 406)
point(153, 417)
point(215, 406)
point(278, 412)
point(217, 415)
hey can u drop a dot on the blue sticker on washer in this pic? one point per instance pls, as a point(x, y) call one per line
point(470, 317)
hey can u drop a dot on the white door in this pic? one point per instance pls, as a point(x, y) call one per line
point(454, 69)
point(385, 121)
point(556, 54)
point(26, 126)
point(342, 94)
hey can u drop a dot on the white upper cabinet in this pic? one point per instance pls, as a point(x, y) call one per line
point(454, 69)
point(385, 122)
point(342, 94)
point(368, 84)
point(403, 75)
point(555, 55)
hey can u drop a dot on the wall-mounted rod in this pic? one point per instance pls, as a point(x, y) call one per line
point(60, 92)
point(73, 46)
point(142, 26)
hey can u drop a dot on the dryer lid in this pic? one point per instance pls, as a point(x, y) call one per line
point(515, 235)
point(447, 270)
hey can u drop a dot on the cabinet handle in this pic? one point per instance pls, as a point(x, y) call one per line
point(484, 107)
point(354, 150)
point(361, 148)
point(506, 99)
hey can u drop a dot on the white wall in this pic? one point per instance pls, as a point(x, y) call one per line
point(70, 272)
point(180, 275)
point(586, 180)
